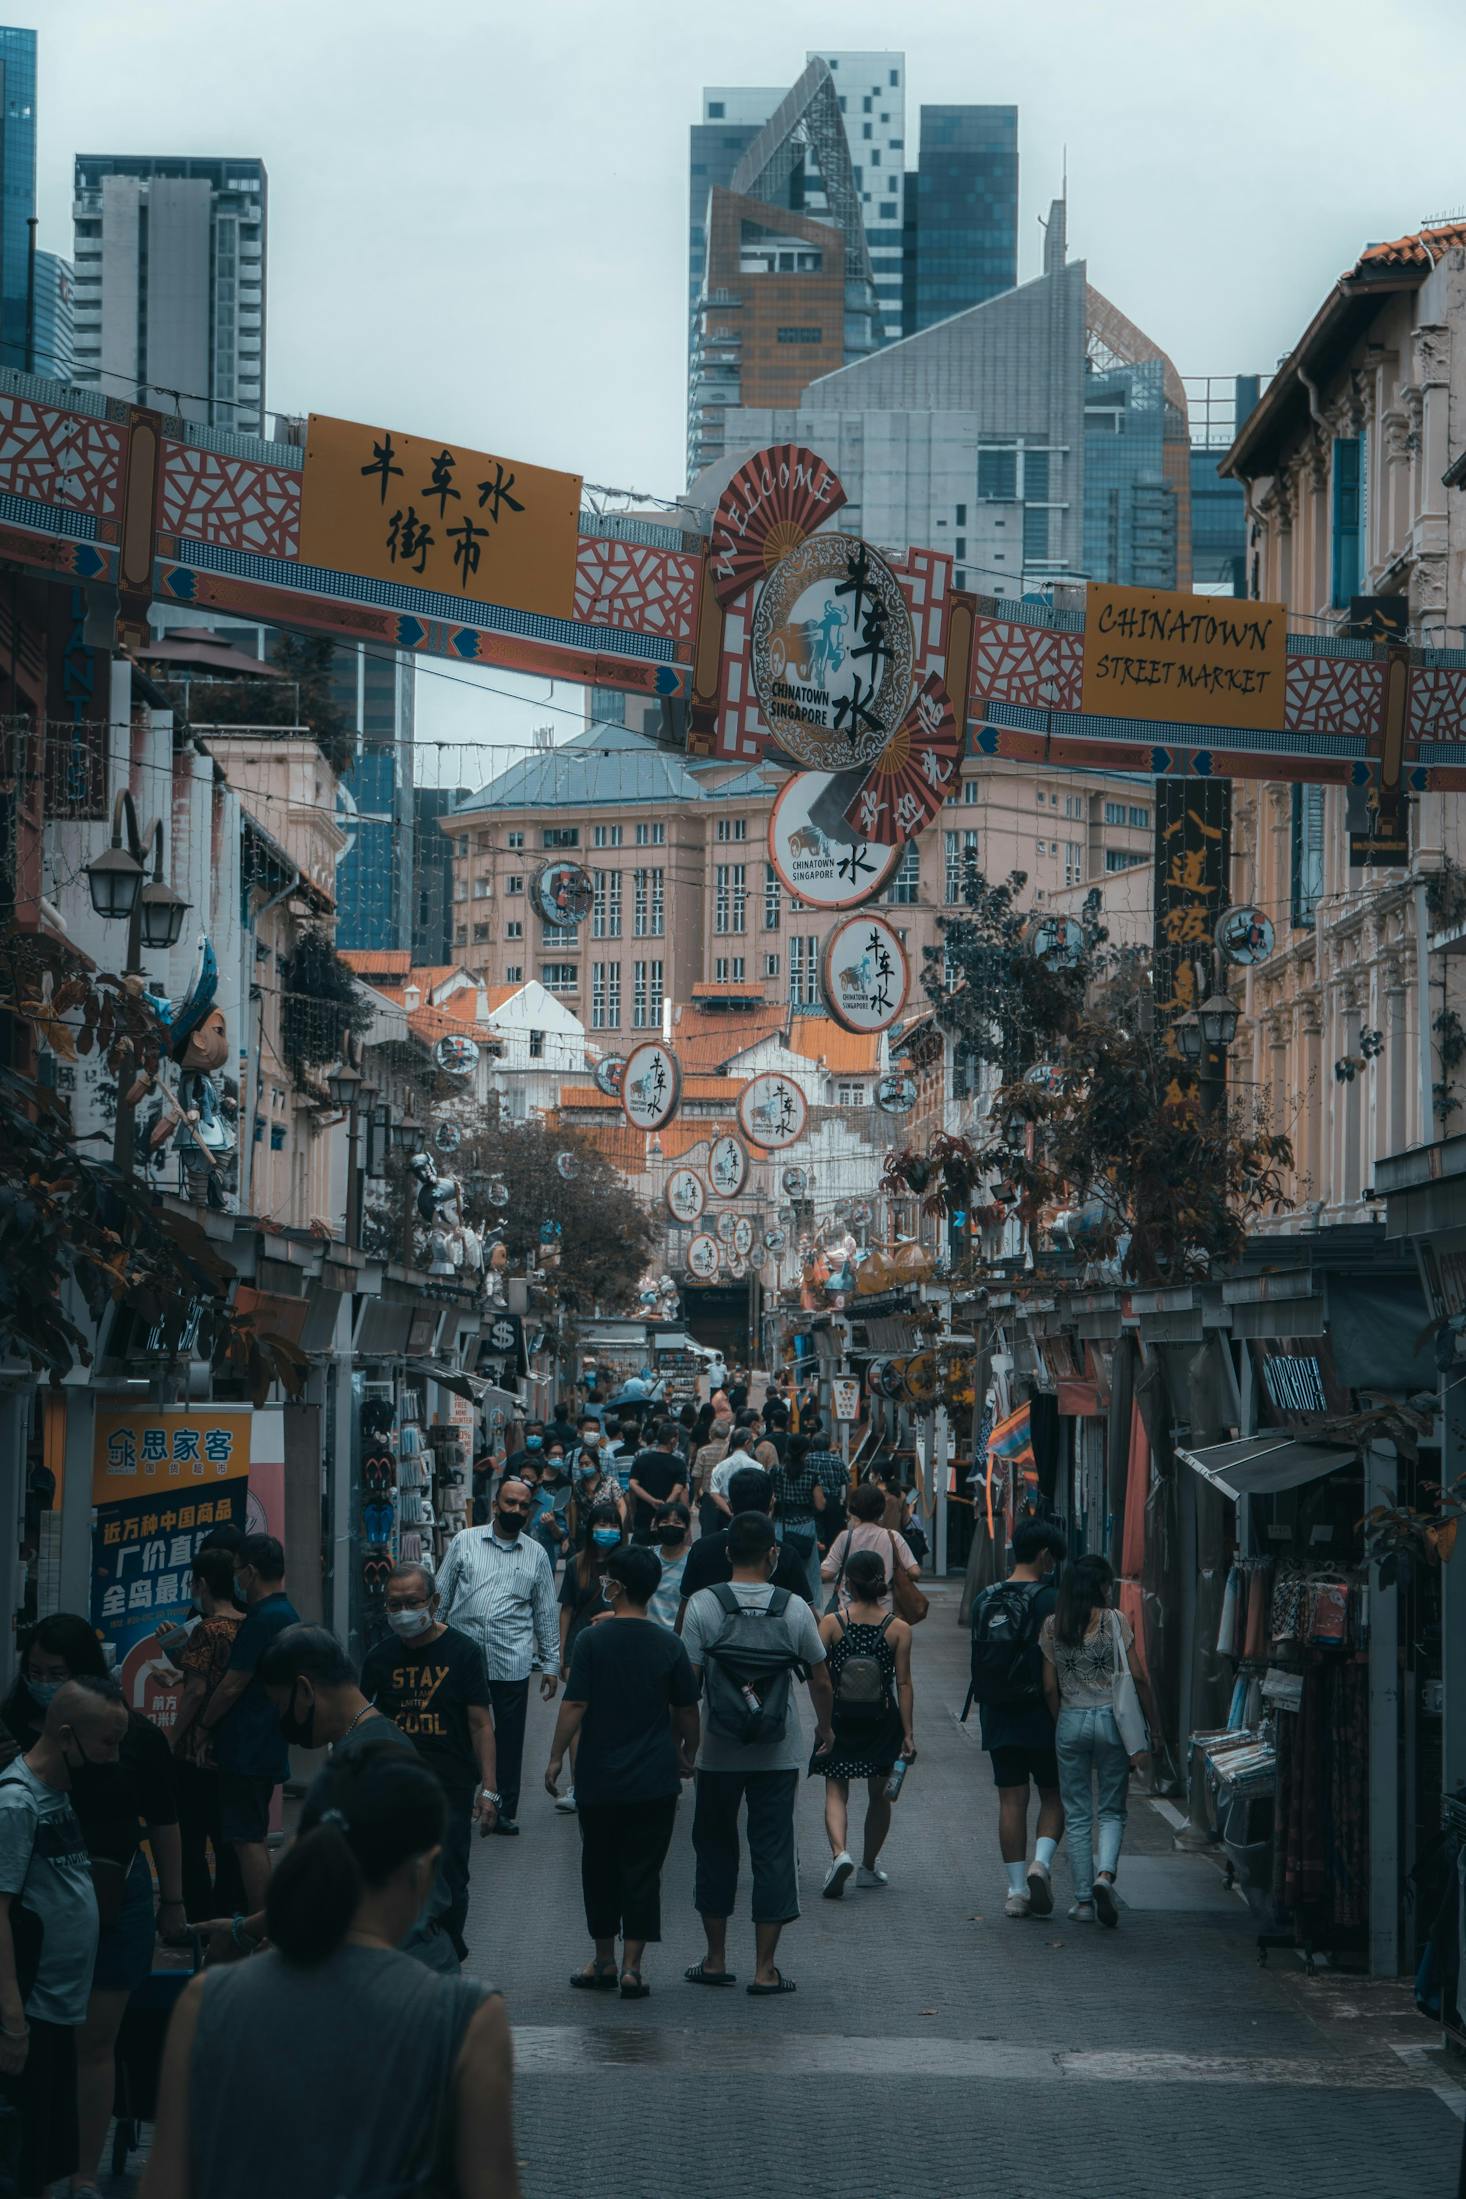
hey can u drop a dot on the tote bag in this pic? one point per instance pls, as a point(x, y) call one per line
point(1125, 1698)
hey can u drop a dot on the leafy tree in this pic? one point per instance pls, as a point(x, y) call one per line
point(307, 660)
point(606, 1236)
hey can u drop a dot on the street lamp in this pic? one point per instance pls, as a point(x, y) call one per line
point(407, 1134)
point(120, 887)
point(1188, 1036)
point(344, 1083)
point(115, 878)
point(1217, 1018)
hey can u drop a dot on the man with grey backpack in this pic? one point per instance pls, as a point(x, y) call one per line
point(750, 1644)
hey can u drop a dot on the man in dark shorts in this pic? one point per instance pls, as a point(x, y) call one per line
point(1019, 1737)
point(252, 1756)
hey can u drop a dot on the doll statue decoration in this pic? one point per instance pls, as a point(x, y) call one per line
point(454, 1250)
point(203, 1110)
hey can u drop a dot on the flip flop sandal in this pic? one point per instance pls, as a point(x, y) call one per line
point(785, 1985)
point(697, 1975)
point(594, 1981)
point(632, 1987)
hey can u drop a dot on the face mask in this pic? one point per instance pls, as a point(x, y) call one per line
point(409, 1624)
point(509, 1524)
point(605, 1538)
point(671, 1530)
point(587, 1473)
point(42, 1692)
point(534, 1442)
point(299, 1731)
point(591, 1440)
point(241, 1593)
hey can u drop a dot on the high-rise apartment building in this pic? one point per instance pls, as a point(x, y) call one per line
point(17, 186)
point(432, 883)
point(961, 212)
point(170, 284)
point(55, 321)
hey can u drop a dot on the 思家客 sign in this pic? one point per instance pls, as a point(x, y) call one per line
point(436, 516)
point(1181, 659)
point(162, 1478)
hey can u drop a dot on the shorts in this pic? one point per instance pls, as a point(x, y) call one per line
point(244, 1805)
point(125, 1949)
point(42, 2142)
point(1014, 1767)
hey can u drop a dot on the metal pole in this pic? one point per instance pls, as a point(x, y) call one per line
point(32, 224)
point(353, 1178)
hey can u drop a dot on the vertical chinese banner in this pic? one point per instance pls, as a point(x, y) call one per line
point(162, 1477)
point(1193, 829)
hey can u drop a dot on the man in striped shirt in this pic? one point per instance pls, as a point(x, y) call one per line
point(498, 1587)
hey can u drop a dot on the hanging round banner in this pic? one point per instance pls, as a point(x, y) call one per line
point(896, 1094)
point(831, 653)
point(456, 1057)
point(865, 974)
point(812, 852)
point(724, 1227)
point(728, 1166)
point(685, 1196)
point(447, 1137)
point(771, 1111)
point(651, 1085)
point(737, 1269)
point(606, 1075)
point(919, 1379)
point(703, 1259)
point(568, 1165)
point(1055, 941)
point(743, 1236)
point(775, 499)
point(564, 894)
point(794, 1182)
point(774, 1239)
point(1245, 936)
point(900, 792)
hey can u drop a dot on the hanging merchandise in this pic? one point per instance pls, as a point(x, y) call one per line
point(564, 894)
point(811, 848)
point(772, 1111)
point(607, 1075)
point(865, 974)
point(727, 1166)
point(651, 1087)
point(685, 1196)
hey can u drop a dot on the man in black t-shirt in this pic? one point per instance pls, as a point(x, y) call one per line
point(432, 1682)
point(658, 1476)
point(708, 1562)
point(1019, 1737)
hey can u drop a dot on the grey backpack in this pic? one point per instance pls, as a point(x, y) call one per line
point(748, 1669)
point(862, 1695)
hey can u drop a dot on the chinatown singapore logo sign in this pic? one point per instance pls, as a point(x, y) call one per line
point(728, 1166)
point(685, 1197)
point(832, 653)
point(651, 1086)
point(865, 974)
point(772, 1111)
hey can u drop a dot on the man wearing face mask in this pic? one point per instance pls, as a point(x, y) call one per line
point(497, 1586)
point(252, 1758)
point(430, 1682)
point(531, 1452)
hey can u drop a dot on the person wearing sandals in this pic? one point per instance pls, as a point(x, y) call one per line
point(632, 1701)
point(1082, 1641)
point(873, 1718)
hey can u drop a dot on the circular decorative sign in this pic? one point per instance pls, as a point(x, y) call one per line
point(651, 1085)
point(794, 1182)
point(1245, 936)
point(456, 1057)
point(447, 1137)
point(865, 974)
point(896, 1094)
point(568, 1165)
point(774, 1240)
point(743, 1236)
point(1056, 941)
point(564, 894)
point(832, 653)
point(737, 1269)
point(771, 1111)
point(607, 1074)
point(728, 1166)
point(813, 853)
point(703, 1259)
point(685, 1196)
point(724, 1227)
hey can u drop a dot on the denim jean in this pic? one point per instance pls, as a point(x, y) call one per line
point(1089, 1748)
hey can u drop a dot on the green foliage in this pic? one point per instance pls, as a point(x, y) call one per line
point(606, 1236)
point(321, 1006)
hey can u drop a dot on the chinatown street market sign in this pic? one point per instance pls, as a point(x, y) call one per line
point(1213, 659)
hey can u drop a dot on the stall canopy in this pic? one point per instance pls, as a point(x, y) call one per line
point(1261, 1465)
point(471, 1386)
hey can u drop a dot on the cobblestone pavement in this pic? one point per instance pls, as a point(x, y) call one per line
point(936, 2047)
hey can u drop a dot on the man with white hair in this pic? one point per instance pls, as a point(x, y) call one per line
point(498, 1587)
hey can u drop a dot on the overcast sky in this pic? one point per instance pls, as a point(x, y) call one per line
point(478, 210)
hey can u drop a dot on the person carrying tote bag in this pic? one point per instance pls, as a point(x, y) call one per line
point(865, 1532)
point(1100, 1732)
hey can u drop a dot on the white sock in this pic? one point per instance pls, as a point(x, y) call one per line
point(1017, 1878)
point(1044, 1851)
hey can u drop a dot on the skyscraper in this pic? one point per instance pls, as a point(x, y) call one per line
point(170, 284)
point(962, 204)
point(871, 88)
point(375, 885)
point(17, 185)
point(731, 120)
point(55, 317)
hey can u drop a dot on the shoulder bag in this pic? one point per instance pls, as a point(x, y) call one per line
point(909, 1602)
point(1125, 1698)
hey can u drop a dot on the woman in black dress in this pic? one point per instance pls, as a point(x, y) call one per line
point(869, 1652)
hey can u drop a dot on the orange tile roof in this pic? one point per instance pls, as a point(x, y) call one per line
point(845, 1053)
point(626, 1148)
point(429, 1024)
point(388, 960)
point(434, 973)
point(710, 988)
point(704, 1041)
point(498, 994)
point(1422, 249)
point(693, 1088)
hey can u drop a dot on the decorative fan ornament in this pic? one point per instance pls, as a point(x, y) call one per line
point(902, 791)
point(775, 500)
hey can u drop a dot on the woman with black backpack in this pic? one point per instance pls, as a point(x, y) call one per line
point(869, 1655)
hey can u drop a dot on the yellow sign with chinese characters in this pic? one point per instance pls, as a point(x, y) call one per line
point(167, 1452)
point(1185, 660)
point(435, 515)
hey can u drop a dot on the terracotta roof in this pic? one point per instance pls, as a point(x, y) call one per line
point(1423, 249)
point(845, 1053)
point(705, 1040)
point(693, 1088)
point(498, 994)
point(626, 1148)
point(708, 988)
point(434, 973)
point(429, 1024)
point(388, 961)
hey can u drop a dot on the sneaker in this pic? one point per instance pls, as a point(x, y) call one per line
point(565, 1803)
point(869, 1875)
point(1106, 1908)
point(836, 1876)
point(1040, 1890)
point(1082, 1912)
point(1016, 1905)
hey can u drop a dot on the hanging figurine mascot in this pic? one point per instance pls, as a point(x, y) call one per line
point(203, 1111)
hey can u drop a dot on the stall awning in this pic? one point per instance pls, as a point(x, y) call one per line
point(1261, 1465)
point(471, 1386)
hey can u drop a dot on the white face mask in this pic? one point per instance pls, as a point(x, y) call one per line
point(409, 1624)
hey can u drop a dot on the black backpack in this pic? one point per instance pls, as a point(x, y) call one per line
point(862, 1694)
point(1004, 1635)
point(748, 1669)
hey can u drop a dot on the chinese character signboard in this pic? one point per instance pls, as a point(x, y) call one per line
point(832, 653)
point(162, 1477)
point(435, 515)
point(651, 1086)
point(1188, 660)
point(811, 848)
point(1192, 860)
point(865, 974)
point(727, 1166)
point(771, 1111)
